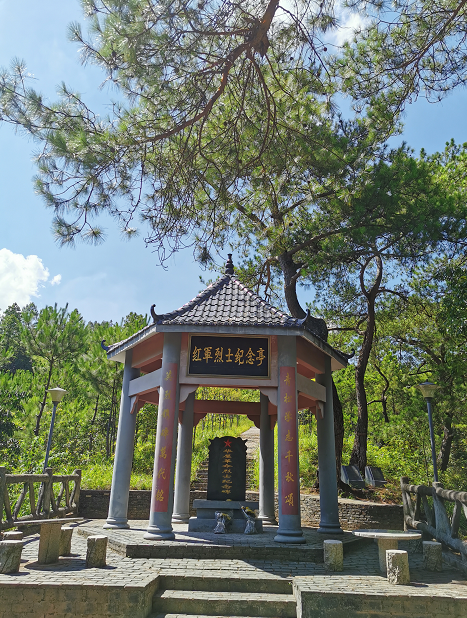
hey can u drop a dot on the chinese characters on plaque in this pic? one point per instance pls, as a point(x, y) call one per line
point(288, 447)
point(229, 356)
point(160, 497)
point(227, 469)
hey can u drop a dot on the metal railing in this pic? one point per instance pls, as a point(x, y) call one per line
point(46, 505)
point(434, 519)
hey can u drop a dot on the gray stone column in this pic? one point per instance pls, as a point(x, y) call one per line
point(290, 529)
point(266, 465)
point(121, 477)
point(328, 504)
point(160, 526)
point(181, 512)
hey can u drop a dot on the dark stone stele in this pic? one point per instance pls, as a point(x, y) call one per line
point(374, 476)
point(351, 475)
point(227, 469)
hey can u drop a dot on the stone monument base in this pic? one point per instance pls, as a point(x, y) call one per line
point(205, 520)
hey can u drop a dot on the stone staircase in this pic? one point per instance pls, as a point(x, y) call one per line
point(199, 597)
point(200, 483)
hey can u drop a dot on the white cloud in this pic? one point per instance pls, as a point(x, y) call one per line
point(349, 24)
point(56, 280)
point(20, 277)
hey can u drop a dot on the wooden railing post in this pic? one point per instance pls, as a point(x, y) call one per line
point(74, 498)
point(405, 500)
point(48, 488)
point(3, 490)
point(442, 523)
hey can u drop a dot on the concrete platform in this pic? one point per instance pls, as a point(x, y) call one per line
point(207, 545)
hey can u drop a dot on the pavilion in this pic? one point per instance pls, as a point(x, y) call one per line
point(226, 337)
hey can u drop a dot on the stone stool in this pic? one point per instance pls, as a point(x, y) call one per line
point(13, 536)
point(432, 556)
point(10, 556)
point(96, 552)
point(397, 565)
point(333, 555)
point(383, 546)
point(66, 532)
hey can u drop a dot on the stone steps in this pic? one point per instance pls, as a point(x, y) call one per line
point(230, 583)
point(194, 616)
point(222, 603)
point(233, 595)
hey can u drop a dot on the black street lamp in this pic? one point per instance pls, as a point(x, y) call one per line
point(56, 394)
point(428, 390)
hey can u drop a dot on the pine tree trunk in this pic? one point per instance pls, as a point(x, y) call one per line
point(359, 451)
point(446, 444)
point(338, 429)
point(291, 272)
point(42, 406)
point(93, 420)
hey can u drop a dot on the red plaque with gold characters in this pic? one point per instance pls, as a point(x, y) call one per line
point(213, 355)
point(160, 497)
point(288, 440)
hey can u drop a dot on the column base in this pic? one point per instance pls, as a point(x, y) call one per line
point(180, 518)
point(269, 521)
point(289, 536)
point(330, 529)
point(115, 523)
point(154, 533)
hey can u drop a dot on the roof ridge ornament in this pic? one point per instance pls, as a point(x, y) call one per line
point(154, 315)
point(229, 267)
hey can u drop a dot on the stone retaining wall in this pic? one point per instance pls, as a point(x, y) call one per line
point(94, 504)
point(355, 514)
point(98, 600)
point(359, 596)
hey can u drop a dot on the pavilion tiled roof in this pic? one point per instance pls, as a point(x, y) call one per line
point(227, 302)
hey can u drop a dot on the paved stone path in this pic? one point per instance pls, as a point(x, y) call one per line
point(361, 570)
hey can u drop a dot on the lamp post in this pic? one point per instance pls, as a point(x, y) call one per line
point(428, 389)
point(56, 394)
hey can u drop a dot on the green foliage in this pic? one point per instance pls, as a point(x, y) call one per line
point(405, 49)
point(64, 349)
point(13, 355)
point(10, 405)
point(212, 100)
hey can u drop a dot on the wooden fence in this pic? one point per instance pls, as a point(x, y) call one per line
point(434, 519)
point(48, 502)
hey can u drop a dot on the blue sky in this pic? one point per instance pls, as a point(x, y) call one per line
point(119, 276)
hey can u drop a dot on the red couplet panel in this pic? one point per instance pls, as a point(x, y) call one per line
point(288, 441)
point(165, 429)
